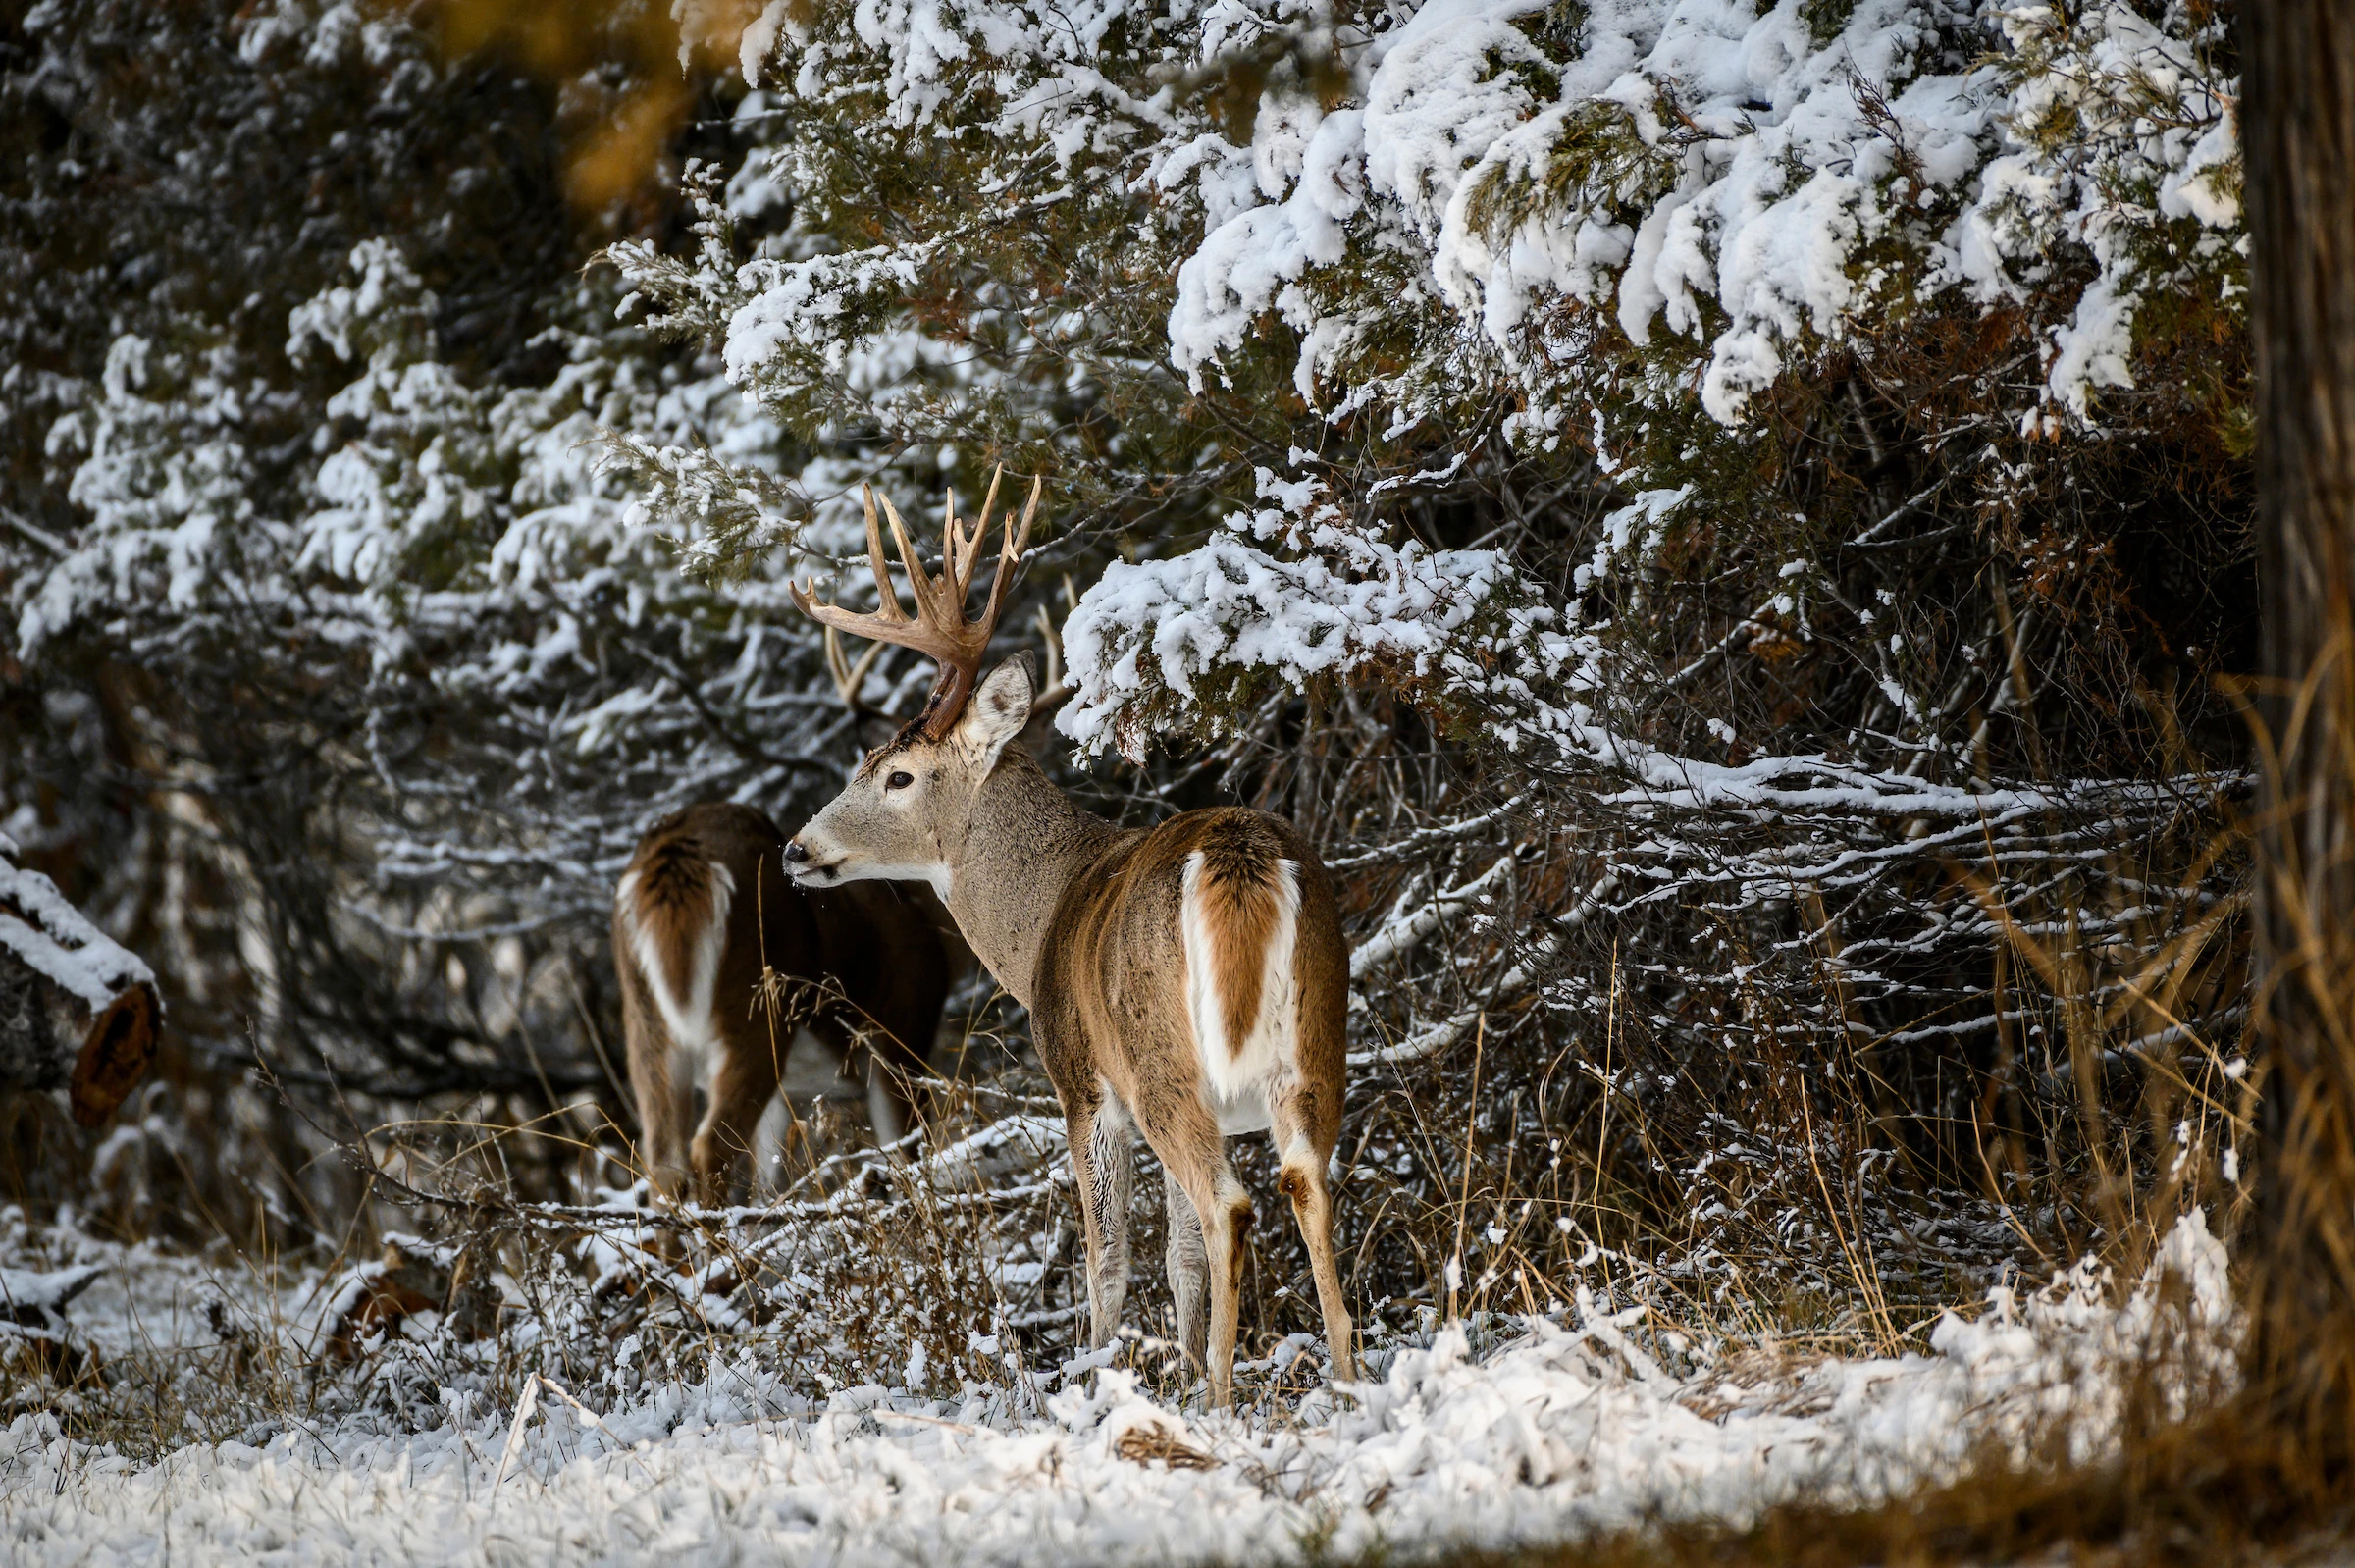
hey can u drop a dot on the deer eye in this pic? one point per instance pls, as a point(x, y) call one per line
point(899, 781)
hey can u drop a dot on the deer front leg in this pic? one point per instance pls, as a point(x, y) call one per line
point(1101, 1169)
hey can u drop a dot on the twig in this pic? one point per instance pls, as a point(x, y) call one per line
point(523, 1413)
point(1464, 1196)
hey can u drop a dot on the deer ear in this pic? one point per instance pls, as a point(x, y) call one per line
point(999, 709)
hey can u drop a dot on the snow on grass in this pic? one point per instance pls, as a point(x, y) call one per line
point(144, 1294)
point(1565, 1428)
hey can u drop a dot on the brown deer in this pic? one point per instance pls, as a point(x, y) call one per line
point(701, 906)
point(1188, 979)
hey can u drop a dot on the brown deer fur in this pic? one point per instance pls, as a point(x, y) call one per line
point(1241, 896)
point(704, 900)
point(1189, 979)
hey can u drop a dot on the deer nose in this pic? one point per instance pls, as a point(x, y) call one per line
point(797, 851)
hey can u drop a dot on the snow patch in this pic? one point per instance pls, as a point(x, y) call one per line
point(1568, 1427)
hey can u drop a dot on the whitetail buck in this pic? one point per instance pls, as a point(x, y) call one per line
point(703, 906)
point(1189, 979)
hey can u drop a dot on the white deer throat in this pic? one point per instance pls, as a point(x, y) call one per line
point(936, 872)
point(1240, 1078)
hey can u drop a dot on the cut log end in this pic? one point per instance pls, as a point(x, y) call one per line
point(77, 1012)
point(114, 1054)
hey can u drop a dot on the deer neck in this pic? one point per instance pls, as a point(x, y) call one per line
point(1026, 844)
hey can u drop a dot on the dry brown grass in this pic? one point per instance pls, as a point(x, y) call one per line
point(2260, 1474)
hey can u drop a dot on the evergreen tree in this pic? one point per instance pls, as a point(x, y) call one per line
point(303, 523)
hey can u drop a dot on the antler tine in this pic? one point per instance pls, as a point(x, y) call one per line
point(889, 624)
point(849, 678)
point(938, 620)
point(887, 597)
point(948, 549)
point(1010, 554)
point(968, 550)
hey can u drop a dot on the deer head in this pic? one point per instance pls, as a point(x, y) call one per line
point(903, 813)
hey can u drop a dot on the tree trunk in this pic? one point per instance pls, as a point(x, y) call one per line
point(2298, 131)
point(77, 1011)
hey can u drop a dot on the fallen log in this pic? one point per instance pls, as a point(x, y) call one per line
point(77, 1012)
point(34, 1336)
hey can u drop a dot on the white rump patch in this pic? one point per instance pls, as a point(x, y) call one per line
point(1240, 1078)
point(685, 1000)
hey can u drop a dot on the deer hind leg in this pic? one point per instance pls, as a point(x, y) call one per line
point(1102, 1165)
point(665, 1117)
point(740, 1093)
point(1302, 1180)
point(1189, 1267)
point(1111, 1155)
point(1193, 1152)
point(891, 1084)
point(1226, 1211)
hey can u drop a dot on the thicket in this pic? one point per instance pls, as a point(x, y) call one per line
point(1730, 532)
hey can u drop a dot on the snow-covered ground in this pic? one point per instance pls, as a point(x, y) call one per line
point(1558, 1428)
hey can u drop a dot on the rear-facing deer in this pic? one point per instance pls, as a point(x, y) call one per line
point(701, 906)
point(1189, 979)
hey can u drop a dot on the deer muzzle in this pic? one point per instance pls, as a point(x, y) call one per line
point(804, 869)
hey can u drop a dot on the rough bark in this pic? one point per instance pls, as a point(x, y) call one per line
point(2298, 129)
point(77, 1011)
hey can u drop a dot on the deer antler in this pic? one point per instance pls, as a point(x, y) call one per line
point(850, 679)
point(940, 630)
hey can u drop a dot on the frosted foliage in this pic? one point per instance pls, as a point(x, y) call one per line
point(409, 477)
point(1344, 602)
point(1480, 195)
point(1731, 177)
point(1568, 1426)
point(1754, 180)
point(436, 507)
point(2143, 130)
point(163, 477)
point(503, 494)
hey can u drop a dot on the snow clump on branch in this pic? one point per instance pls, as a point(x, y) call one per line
point(1150, 637)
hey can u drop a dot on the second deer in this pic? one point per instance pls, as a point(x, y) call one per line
point(1189, 980)
point(701, 908)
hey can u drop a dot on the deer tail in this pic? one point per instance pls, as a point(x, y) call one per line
point(674, 905)
point(1239, 912)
